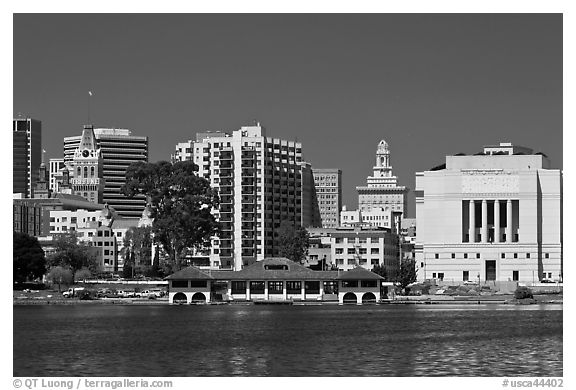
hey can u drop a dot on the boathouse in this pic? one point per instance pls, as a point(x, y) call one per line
point(275, 279)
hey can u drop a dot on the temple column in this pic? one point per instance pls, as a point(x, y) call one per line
point(472, 229)
point(484, 221)
point(509, 220)
point(496, 220)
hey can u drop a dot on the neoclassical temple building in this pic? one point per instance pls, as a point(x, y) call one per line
point(492, 216)
point(276, 279)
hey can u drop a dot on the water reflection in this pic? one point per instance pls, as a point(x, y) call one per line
point(415, 340)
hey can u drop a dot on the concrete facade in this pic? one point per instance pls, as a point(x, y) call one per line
point(259, 180)
point(495, 216)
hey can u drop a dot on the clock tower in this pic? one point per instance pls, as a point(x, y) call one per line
point(87, 178)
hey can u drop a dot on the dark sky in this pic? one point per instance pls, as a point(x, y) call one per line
point(430, 85)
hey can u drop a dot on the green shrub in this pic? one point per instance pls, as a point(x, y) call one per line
point(523, 292)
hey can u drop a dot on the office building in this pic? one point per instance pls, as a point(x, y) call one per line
point(259, 180)
point(493, 216)
point(119, 149)
point(328, 186)
point(382, 189)
point(27, 154)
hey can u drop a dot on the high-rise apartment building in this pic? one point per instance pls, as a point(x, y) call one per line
point(259, 180)
point(119, 149)
point(494, 216)
point(183, 152)
point(328, 186)
point(27, 154)
point(382, 189)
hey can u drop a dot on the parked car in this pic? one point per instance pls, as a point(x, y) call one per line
point(158, 292)
point(126, 293)
point(106, 293)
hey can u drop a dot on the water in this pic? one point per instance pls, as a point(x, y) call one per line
point(238, 340)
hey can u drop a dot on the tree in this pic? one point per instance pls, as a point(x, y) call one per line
point(60, 275)
point(82, 274)
point(293, 241)
point(181, 204)
point(407, 272)
point(28, 258)
point(69, 253)
point(137, 249)
point(380, 269)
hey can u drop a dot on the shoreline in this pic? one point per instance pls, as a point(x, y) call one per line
point(490, 300)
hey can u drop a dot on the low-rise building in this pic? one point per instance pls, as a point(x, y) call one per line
point(275, 279)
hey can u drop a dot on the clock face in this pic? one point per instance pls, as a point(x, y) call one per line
point(85, 153)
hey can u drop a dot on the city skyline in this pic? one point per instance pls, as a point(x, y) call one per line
point(430, 85)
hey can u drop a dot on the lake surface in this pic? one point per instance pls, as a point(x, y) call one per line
point(254, 340)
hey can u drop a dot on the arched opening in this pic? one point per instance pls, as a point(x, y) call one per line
point(179, 298)
point(85, 172)
point(198, 297)
point(368, 298)
point(91, 171)
point(350, 297)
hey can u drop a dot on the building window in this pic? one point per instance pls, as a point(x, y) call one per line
point(374, 261)
point(369, 283)
point(547, 255)
point(106, 252)
point(198, 283)
point(339, 251)
point(257, 287)
point(477, 255)
point(349, 283)
point(375, 251)
point(90, 234)
point(515, 275)
point(434, 275)
point(99, 234)
point(180, 283)
point(465, 275)
point(527, 255)
point(515, 255)
point(275, 287)
point(502, 255)
point(312, 287)
point(293, 287)
point(453, 255)
point(465, 255)
point(436, 255)
point(239, 287)
point(441, 275)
